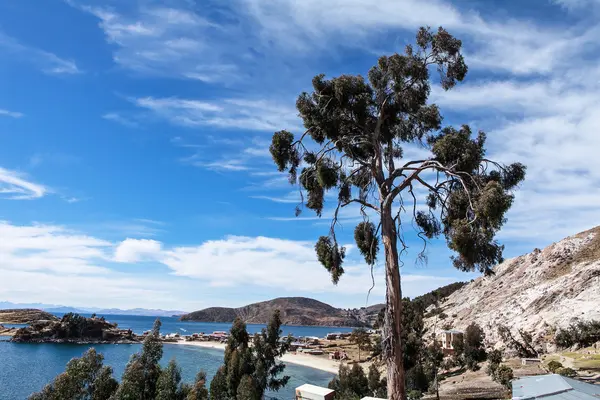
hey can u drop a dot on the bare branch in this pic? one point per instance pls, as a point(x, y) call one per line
point(363, 203)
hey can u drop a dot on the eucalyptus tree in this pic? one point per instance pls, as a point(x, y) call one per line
point(360, 129)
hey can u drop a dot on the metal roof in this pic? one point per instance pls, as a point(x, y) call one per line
point(553, 387)
point(312, 389)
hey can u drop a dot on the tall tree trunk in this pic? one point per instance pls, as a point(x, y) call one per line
point(392, 342)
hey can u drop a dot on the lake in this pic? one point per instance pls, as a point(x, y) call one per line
point(26, 368)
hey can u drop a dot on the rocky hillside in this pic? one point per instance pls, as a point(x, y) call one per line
point(294, 311)
point(538, 292)
point(25, 316)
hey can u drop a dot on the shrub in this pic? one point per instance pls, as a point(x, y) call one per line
point(568, 372)
point(414, 395)
point(504, 376)
point(554, 366)
point(581, 333)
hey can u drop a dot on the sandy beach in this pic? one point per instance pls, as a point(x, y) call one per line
point(306, 360)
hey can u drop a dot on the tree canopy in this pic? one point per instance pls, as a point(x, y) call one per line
point(360, 130)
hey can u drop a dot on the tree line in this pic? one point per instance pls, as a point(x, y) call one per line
point(246, 374)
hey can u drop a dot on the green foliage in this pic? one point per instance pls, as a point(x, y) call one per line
point(581, 333)
point(218, 385)
point(361, 338)
point(331, 256)
point(469, 349)
point(414, 395)
point(247, 389)
point(500, 373)
point(250, 371)
point(377, 348)
point(84, 378)
point(350, 383)
point(269, 346)
point(504, 376)
point(169, 385)
point(474, 350)
point(377, 385)
point(554, 366)
point(143, 369)
point(368, 122)
point(365, 236)
point(568, 372)
point(494, 360)
point(198, 391)
point(360, 128)
point(437, 295)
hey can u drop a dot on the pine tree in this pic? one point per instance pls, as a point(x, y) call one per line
point(360, 129)
point(84, 378)
point(143, 369)
point(198, 391)
point(168, 386)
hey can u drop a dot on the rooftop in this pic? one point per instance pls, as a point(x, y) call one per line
point(306, 388)
point(554, 387)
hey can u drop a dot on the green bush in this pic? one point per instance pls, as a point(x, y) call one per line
point(568, 372)
point(554, 366)
point(504, 376)
point(583, 334)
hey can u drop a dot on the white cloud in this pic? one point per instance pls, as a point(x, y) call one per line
point(277, 263)
point(49, 248)
point(165, 41)
point(48, 62)
point(135, 250)
point(12, 114)
point(15, 186)
point(244, 114)
point(53, 264)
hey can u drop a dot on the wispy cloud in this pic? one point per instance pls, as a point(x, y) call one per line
point(292, 198)
point(120, 119)
point(12, 114)
point(238, 114)
point(164, 41)
point(49, 63)
point(15, 186)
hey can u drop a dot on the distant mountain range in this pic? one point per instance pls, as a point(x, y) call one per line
point(53, 308)
point(294, 311)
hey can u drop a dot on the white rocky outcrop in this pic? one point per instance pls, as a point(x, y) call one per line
point(538, 292)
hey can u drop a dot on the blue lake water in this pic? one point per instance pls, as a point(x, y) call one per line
point(26, 368)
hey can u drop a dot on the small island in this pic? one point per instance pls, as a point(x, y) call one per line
point(74, 328)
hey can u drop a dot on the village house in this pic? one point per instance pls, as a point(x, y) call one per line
point(446, 340)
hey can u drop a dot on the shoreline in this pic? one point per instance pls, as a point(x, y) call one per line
point(305, 360)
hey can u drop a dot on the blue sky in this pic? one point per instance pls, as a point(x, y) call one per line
point(134, 164)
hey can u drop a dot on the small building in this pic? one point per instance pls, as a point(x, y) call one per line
point(296, 345)
point(333, 336)
point(530, 361)
point(446, 340)
point(312, 392)
point(553, 387)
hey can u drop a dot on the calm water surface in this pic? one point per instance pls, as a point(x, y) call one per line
point(26, 368)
